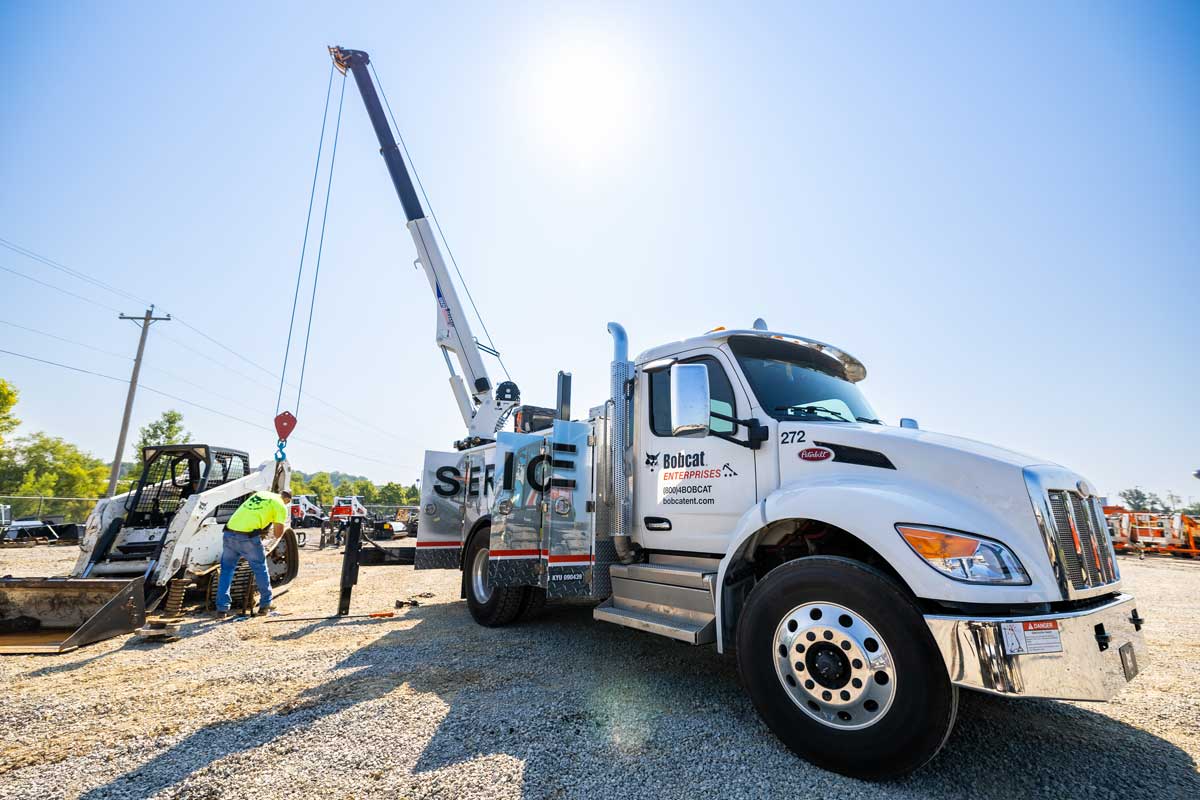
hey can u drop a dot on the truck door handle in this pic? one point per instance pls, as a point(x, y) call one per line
point(657, 523)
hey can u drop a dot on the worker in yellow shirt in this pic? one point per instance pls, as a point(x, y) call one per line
point(257, 516)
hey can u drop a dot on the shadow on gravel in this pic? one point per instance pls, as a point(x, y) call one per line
point(131, 643)
point(597, 710)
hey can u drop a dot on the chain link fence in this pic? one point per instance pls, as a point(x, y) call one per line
point(55, 510)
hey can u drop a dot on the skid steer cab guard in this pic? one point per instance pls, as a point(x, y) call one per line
point(54, 615)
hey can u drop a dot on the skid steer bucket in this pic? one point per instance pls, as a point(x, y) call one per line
point(54, 615)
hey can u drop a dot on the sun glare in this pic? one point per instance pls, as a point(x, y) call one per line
point(584, 100)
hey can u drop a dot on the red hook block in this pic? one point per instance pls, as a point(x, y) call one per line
point(285, 423)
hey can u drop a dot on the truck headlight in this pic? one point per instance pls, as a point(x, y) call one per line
point(964, 557)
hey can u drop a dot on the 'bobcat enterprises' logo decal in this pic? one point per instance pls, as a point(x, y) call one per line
point(816, 454)
point(688, 467)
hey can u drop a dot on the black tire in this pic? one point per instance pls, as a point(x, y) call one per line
point(504, 604)
point(535, 602)
point(923, 703)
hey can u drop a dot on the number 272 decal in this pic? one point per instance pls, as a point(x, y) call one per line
point(791, 437)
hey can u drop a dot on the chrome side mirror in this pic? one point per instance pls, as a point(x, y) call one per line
point(689, 400)
point(908, 422)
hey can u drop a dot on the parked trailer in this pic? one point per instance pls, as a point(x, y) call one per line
point(737, 489)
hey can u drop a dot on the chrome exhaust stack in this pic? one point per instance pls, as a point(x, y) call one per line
point(622, 374)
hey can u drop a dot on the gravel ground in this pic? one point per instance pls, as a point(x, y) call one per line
point(428, 704)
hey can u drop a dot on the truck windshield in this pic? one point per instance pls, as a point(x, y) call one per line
point(793, 382)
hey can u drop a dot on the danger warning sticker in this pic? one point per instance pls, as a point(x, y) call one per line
point(1033, 636)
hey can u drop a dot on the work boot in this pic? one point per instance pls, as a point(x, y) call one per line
point(219, 614)
point(265, 610)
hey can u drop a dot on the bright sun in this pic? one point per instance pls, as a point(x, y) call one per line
point(584, 100)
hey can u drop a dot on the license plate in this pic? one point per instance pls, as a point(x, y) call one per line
point(1129, 661)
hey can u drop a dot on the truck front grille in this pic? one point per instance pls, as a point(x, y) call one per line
point(1083, 541)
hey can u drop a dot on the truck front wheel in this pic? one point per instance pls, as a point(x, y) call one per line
point(491, 606)
point(841, 666)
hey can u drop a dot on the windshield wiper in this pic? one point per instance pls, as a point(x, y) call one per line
point(870, 420)
point(813, 410)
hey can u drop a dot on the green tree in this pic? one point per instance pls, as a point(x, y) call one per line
point(363, 488)
point(412, 495)
point(167, 429)
point(1135, 499)
point(391, 494)
point(320, 485)
point(8, 399)
point(39, 464)
point(298, 485)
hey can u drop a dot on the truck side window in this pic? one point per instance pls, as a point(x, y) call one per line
point(720, 400)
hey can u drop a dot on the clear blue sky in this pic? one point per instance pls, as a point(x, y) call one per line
point(996, 209)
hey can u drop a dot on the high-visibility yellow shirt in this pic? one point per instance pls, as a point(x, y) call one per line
point(257, 512)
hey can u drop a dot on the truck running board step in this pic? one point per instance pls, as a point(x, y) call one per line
point(683, 629)
point(671, 597)
point(669, 574)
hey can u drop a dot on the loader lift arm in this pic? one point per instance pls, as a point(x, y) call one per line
point(483, 410)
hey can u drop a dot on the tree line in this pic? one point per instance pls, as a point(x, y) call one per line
point(1137, 499)
point(42, 465)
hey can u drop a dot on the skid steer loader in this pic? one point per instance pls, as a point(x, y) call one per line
point(146, 550)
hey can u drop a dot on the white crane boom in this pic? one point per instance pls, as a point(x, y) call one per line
point(483, 410)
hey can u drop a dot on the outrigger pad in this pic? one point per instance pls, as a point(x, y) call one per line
point(54, 615)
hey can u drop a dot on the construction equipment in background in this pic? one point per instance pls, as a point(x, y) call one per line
point(147, 550)
point(1143, 532)
point(307, 511)
point(402, 524)
point(346, 507)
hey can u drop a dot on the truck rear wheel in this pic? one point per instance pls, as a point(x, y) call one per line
point(490, 606)
point(841, 666)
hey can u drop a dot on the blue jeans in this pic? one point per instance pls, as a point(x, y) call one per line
point(235, 546)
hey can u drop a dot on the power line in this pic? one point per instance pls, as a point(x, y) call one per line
point(200, 406)
point(68, 341)
point(159, 370)
point(16, 248)
point(65, 366)
point(433, 214)
point(220, 364)
point(60, 289)
point(37, 256)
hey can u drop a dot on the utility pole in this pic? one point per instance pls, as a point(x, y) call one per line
point(144, 321)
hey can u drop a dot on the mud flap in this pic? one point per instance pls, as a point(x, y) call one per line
point(54, 615)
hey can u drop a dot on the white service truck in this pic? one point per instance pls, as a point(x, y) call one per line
point(737, 489)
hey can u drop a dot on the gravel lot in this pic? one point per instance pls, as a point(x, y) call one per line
point(428, 704)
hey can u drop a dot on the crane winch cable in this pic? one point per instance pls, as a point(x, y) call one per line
point(433, 215)
point(304, 243)
point(285, 421)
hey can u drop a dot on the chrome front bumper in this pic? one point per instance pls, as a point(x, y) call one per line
point(1081, 655)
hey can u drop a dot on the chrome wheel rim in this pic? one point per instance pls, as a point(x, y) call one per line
point(479, 576)
point(834, 665)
